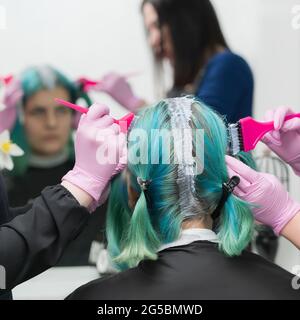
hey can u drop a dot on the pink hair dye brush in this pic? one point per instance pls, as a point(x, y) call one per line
point(7, 79)
point(88, 84)
point(124, 122)
point(245, 134)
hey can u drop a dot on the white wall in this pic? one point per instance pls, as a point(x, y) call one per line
point(79, 37)
point(92, 37)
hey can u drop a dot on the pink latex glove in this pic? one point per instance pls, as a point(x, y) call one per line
point(119, 89)
point(285, 140)
point(275, 206)
point(12, 95)
point(92, 173)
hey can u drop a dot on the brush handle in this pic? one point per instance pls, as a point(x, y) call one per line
point(7, 79)
point(71, 105)
point(291, 116)
point(88, 83)
point(253, 131)
point(124, 122)
point(270, 124)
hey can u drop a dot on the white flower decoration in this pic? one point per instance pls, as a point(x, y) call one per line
point(8, 150)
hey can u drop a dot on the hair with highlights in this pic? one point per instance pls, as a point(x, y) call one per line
point(34, 79)
point(136, 232)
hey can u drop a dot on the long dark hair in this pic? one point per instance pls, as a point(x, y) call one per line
point(195, 32)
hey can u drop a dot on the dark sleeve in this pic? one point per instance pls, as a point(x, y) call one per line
point(6, 213)
point(14, 212)
point(34, 241)
point(227, 86)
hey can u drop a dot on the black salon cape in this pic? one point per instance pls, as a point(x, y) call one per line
point(194, 271)
point(22, 189)
point(33, 241)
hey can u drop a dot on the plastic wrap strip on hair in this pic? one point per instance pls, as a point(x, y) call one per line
point(47, 76)
point(180, 114)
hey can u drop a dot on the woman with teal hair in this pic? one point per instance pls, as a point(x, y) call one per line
point(44, 130)
point(175, 229)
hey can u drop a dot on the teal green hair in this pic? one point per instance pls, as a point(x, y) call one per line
point(135, 234)
point(33, 80)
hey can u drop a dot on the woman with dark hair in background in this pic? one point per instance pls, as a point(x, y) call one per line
point(188, 35)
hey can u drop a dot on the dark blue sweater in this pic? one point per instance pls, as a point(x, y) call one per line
point(227, 86)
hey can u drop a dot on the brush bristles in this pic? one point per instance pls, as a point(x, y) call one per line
point(235, 138)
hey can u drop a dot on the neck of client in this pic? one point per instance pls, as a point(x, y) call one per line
point(203, 223)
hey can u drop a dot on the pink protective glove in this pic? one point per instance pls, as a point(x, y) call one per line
point(275, 206)
point(92, 172)
point(12, 94)
point(119, 89)
point(285, 140)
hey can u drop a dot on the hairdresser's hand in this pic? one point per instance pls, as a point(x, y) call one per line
point(12, 94)
point(285, 139)
point(275, 206)
point(119, 89)
point(99, 145)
